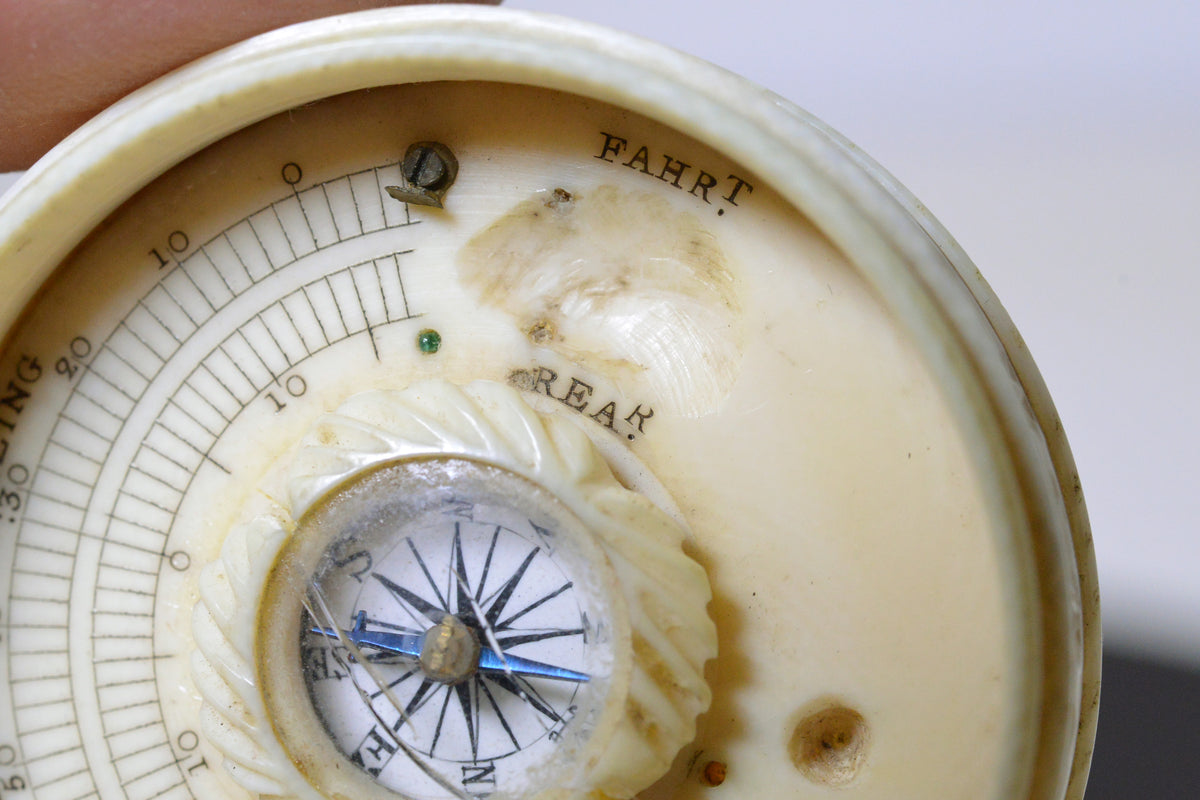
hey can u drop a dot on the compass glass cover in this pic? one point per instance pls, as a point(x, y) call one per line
point(455, 622)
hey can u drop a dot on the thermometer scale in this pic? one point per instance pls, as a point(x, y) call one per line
point(458, 403)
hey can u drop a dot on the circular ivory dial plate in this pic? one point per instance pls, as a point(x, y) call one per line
point(753, 325)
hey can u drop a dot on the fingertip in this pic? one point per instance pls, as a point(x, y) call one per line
point(63, 62)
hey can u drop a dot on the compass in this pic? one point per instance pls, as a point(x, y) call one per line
point(453, 402)
point(459, 647)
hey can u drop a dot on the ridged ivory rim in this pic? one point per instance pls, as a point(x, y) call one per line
point(658, 591)
point(915, 267)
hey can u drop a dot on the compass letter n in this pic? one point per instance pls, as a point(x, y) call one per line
point(479, 775)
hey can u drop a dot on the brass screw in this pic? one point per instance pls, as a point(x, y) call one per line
point(429, 170)
point(426, 165)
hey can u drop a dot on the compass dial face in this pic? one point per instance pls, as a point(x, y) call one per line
point(456, 623)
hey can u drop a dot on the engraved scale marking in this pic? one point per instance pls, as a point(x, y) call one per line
point(120, 372)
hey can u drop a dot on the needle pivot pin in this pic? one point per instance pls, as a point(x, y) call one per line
point(450, 652)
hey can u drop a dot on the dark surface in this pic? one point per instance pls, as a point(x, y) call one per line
point(1148, 737)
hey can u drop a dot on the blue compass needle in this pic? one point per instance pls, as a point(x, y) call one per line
point(408, 644)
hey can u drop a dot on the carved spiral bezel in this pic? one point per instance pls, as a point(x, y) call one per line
point(662, 634)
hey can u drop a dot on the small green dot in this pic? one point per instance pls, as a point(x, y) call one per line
point(430, 341)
